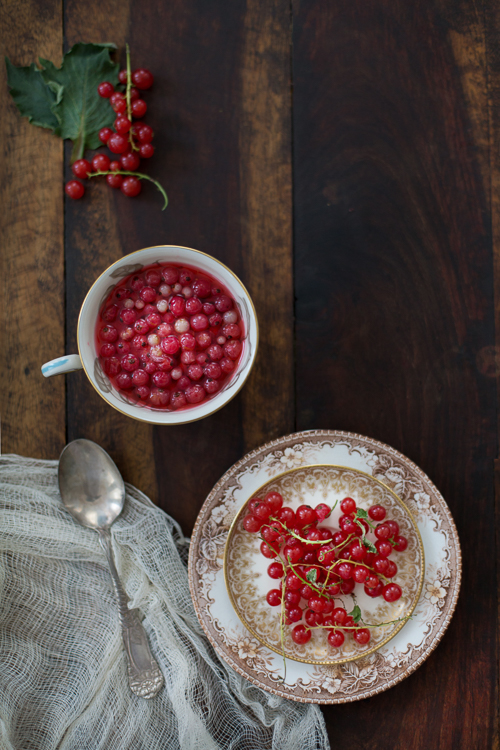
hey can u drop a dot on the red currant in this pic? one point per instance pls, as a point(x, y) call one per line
point(267, 549)
point(250, 523)
point(384, 548)
point(294, 614)
point(348, 506)
point(382, 531)
point(293, 552)
point(400, 543)
point(105, 89)
point(146, 150)
point(142, 78)
point(274, 500)
point(122, 124)
point(273, 597)
point(394, 527)
point(114, 180)
point(377, 513)
point(293, 582)
point(275, 570)
point(392, 592)
point(130, 162)
point(336, 638)
point(301, 635)
point(322, 511)
point(139, 108)
point(104, 134)
point(100, 163)
point(118, 103)
point(361, 636)
point(118, 143)
point(81, 168)
point(305, 515)
point(391, 569)
point(131, 186)
point(74, 189)
point(122, 76)
point(145, 134)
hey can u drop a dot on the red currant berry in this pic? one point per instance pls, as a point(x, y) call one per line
point(275, 570)
point(273, 598)
point(112, 366)
point(100, 163)
point(344, 570)
point(348, 506)
point(306, 592)
point(294, 614)
point(134, 94)
point(293, 552)
point(348, 586)
point(394, 527)
point(316, 603)
point(377, 513)
point(360, 574)
point(104, 134)
point(124, 381)
point(293, 582)
point(392, 592)
point(380, 564)
point(336, 638)
point(81, 168)
point(145, 134)
point(131, 186)
point(114, 180)
point(382, 531)
point(118, 143)
point(105, 89)
point(262, 511)
point(361, 636)
point(285, 515)
point(130, 162)
point(384, 548)
point(142, 78)
point(301, 635)
point(400, 543)
point(146, 150)
point(292, 598)
point(391, 569)
point(357, 551)
point(348, 625)
point(139, 108)
point(322, 511)
point(251, 524)
point(267, 549)
point(122, 124)
point(115, 167)
point(74, 189)
point(304, 516)
point(118, 103)
point(122, 76)
point(375, 591)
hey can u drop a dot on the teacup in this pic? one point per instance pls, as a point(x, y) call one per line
point(87, 357)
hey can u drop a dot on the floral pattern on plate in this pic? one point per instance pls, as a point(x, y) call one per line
point(369, 674)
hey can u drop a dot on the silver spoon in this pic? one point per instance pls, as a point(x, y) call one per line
point(92, 490)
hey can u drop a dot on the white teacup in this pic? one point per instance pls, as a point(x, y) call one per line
point(87, 355)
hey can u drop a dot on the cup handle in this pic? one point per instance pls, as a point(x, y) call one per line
point(69, 363)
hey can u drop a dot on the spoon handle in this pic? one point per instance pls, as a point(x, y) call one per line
point(144, 675)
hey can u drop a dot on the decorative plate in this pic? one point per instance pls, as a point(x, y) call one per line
point(247, 582)
point(366, 675)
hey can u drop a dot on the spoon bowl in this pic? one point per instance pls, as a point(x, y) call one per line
point(92, 488)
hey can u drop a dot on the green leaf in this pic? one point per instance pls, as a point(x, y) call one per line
point(80, 110)
point(356, 614)
point(361, 513)
point(33, 98)
point(312, 575)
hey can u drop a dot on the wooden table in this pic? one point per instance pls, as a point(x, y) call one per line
point(343, 159)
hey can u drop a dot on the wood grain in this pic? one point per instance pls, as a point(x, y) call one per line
point(31, 262)
point(93, 241)
point(395, 304)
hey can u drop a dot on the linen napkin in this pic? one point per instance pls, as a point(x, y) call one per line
point(63, 678)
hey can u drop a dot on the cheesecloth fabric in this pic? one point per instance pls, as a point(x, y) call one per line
point(63, 679)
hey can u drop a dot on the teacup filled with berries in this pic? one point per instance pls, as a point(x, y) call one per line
point(166, 335)
point(324, 564)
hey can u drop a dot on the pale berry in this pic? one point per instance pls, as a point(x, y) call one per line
point(230, 317)
point(181, 325)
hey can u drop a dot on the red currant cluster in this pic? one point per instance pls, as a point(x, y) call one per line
point(316, 564)
point(130, 141)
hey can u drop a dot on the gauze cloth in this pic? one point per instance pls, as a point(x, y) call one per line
point(63, 674)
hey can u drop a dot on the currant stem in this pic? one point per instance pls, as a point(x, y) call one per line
point(140, 176)
point(127, 97)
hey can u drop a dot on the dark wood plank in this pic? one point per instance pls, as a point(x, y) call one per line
point(395, 302)
point(221, 110)
point(31, 262)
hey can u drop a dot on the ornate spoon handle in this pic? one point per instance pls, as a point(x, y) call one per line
point(144, 675)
